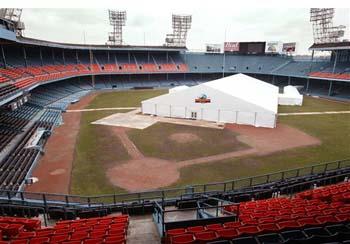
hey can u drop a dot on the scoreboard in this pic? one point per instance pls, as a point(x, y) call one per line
point(245, 47)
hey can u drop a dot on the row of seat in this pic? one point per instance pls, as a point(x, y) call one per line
point(33, 71)
point(109, 229)
point(330, 234)
point(26, 77)
point(12, 123)
point(330, 75)
point(274, 214)
point(17, 163)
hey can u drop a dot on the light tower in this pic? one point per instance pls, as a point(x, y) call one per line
point(14, 15)
point(117, 19)
point(322, 25)
point(181, 25)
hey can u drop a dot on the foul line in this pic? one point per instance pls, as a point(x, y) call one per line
point(99, 109)
point(315, 113)
point(133, 108)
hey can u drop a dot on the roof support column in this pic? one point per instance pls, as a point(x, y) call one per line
point(76, 56)
point(53, 56)
point(108, 58)
point(25, 57)
point(335, 61)
point(91, 61)
point(3, 56)
point(330, 88)
point(307, 84)
point(64, 60)
point(41, 57)
point(289, 79)
point(312, 60)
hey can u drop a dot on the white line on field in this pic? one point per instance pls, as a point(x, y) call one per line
point(99, 109)
point(315, 113)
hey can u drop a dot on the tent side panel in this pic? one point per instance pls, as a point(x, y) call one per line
point(265, 120)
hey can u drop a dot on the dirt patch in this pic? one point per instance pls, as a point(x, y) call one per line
point(143, 174)
point(58, 172)
point(130, 147)
point(151, 173)
point(54, 168)
point(267, 141)
point(184, 137)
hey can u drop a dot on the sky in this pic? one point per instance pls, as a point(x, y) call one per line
point(149, 25)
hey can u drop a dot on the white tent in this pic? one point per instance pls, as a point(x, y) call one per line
point(290, 96)
point(177, 88)
point(237, 99)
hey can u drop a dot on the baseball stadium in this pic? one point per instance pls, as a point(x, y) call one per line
point(243, 142)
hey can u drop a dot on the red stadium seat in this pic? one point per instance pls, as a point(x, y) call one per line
point(195, 229)
point(228, 233)
point(251, 230)
point(175, 232)
point(183, 239)
point(204, 237)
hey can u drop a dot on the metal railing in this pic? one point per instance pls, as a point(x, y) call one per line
point(76, 201)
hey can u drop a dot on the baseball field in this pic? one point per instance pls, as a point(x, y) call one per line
point(110, 159)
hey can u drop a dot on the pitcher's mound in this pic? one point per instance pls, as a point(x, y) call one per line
point(143, 174)
point(184, 137)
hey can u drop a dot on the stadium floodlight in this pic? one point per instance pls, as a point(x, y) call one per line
point(13, 15)
point(181, 25)
point(117, 19)
point(322, 24)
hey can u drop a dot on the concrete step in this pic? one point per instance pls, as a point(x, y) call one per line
point(143, 230)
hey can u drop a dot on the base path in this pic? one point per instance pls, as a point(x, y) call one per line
point(130, 147)
point(54, 168)
point(143, 173)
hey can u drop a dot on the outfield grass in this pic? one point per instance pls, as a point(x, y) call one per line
point(333, 130)
point(154, 141)
point(311, 104)
point(95, 150)
point(124, 98)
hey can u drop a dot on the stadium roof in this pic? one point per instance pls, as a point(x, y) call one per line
point(331, 46)
point(43, 43)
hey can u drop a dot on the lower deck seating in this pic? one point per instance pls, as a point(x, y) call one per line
point(109, 230)
point(310, 209)
point(12, 123)
point(16, 165)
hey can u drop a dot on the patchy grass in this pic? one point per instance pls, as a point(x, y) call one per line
point(312, 104)
point(155, 141)
point(95, 150)
point(333, 130)
point(131, 98)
